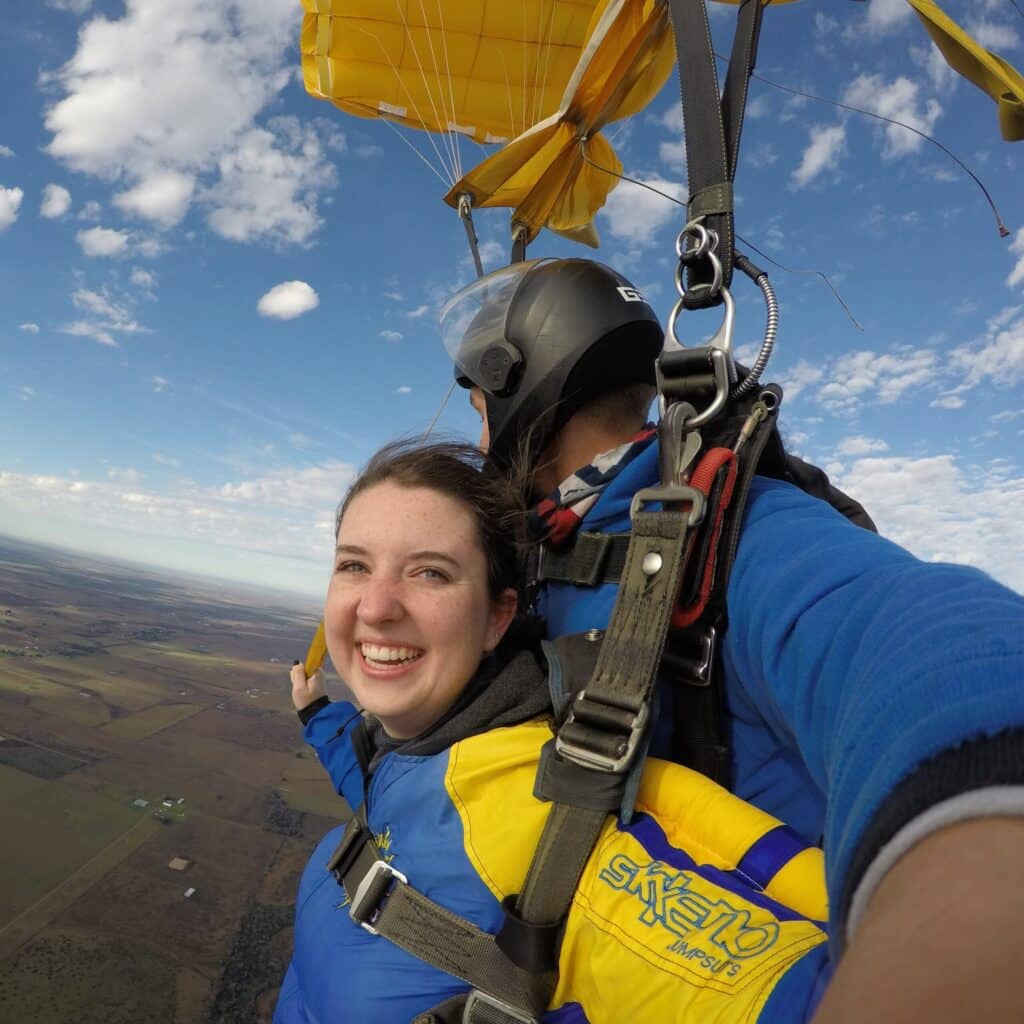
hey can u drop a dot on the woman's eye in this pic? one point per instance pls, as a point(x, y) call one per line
point(353, 567)
point(433, 574)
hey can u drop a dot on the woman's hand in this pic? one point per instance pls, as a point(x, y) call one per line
point(305, 691)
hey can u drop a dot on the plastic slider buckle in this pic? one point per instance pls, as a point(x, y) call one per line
point(348, 849)
point(481, 1003)
point(667, 494)
point(366, 904)
point(587, 758)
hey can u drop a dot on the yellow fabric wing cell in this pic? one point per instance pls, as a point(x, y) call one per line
point(559, 172)
point(488, 71)
point(986, 70)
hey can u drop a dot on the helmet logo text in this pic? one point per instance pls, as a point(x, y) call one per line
point(630, 294)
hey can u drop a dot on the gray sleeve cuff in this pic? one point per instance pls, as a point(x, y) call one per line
point(993, 801)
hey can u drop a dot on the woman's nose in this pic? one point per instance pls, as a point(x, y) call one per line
point(380, 601)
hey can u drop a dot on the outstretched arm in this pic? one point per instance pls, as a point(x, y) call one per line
point(326, 726)
point(940, 940)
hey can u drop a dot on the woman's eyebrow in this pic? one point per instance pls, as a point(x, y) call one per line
point(437, 556)
point(349, 549)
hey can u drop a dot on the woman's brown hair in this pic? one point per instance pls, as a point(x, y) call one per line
point(464, 474)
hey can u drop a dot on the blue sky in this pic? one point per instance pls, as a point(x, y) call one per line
point(220, 295)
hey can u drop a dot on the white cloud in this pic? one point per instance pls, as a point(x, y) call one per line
point(166, 460)
point(191, 133)
point(995, 36)
point(102, 241)
point(144, 279)
point(860, 445)
point(105, 317)
point(86, 329)
point(886, 16)
point(285, 512)
point(27, 393)
point(909, 499)
point(269, 185)
point(160, 384)
point(124, 474)
point(366, 151)
point(74, 6)
point(29, 328)
point(948, 402)
point(997, 358)
point(10, 203)
point(867, 377)
point(898, 100)
point(826, 147)
point(635, 215)
point(288, 300)
point(1017, 248)
point(403, 390)
point(56, 201)
point(163, 197)
point(6, 151)
point(389, 335)
point(415, 314)
point(91, 211)
point(799, 378)
point(394, 296)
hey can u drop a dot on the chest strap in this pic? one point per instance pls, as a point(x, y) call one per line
point(593, 558)
point(382, 901)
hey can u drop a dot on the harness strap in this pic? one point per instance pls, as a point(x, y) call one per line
point(713, 127)
point(594, 558)
point(382, 901)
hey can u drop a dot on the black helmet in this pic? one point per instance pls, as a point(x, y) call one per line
point(543, 338)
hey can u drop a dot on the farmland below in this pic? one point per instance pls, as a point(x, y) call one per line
point(158, 803)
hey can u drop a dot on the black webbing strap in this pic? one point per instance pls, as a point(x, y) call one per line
point(713, 125)
point(382, 901)
point(606, 722)
point(593, 558)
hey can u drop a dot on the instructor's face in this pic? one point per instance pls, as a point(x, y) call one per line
point(479, 402)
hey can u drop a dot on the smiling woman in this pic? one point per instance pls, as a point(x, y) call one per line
point(692, 904)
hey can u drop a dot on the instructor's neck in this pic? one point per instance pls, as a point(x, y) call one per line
point(577, 444)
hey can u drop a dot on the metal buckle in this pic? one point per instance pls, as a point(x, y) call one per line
point(486, 1002)
point(356, 910)
point(587, 758)
point(675, 492)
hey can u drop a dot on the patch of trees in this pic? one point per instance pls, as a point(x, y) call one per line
point(280, 818)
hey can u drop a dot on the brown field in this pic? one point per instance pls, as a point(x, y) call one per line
point(117, 685)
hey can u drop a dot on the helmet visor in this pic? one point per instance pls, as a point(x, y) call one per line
point(473, 319)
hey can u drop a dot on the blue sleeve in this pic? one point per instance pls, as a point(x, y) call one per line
point(329, 733)
point(863, 660)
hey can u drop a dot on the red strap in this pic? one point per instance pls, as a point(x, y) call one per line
point(713, 462)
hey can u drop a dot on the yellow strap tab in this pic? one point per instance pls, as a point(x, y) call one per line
point(317, 650)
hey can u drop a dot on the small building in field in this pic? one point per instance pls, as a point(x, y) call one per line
point(139, 802)
point(179, 864)
point(190, 892)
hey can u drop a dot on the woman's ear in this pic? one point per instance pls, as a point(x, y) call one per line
point(503, 610)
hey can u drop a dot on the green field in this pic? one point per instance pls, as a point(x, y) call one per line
point(118, 686)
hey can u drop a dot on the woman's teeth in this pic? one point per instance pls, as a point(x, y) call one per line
point(388, 655)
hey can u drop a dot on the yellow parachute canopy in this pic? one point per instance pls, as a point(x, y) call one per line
point(986, 70)
point(556, 174)
point(545, 74)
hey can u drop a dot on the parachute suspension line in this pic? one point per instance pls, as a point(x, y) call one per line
point(440, 409)
point(739, 238)
point(466, 214)
point(547, 46)
point(450, 120)
point(1020, 10)
point(760, 278)
point(451, 179)
point(433, 170)
point(448, 74)
point(426, 86)
point(1004, 231)
point(508, 92)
